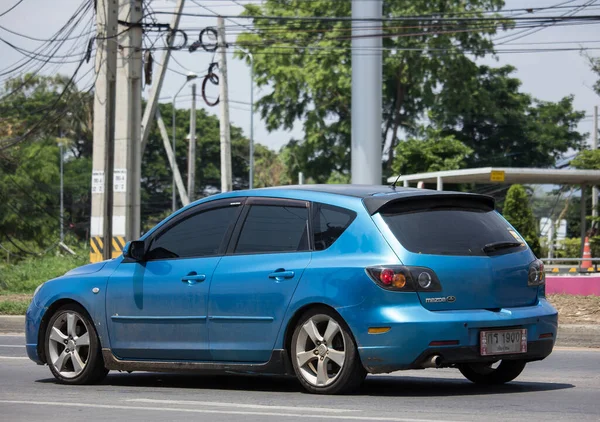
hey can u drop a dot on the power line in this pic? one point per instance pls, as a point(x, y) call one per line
point(13, 7)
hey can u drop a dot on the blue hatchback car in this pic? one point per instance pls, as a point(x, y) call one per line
point(327, 282)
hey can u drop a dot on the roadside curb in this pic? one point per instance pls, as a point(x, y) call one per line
point(11, 324)
point(569, 335)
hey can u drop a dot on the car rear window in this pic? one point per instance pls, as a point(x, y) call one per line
point(450, 231)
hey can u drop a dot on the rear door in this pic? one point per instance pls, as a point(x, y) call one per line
point(253, 285)
point(457, 239)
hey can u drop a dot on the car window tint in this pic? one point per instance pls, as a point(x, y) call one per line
point(274, 229)
point(450, 231)
point(329, 224)
point(198, 235)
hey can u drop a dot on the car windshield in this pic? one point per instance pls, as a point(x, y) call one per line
point(453, 231)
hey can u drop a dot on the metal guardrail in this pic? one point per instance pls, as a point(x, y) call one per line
point(567, 268)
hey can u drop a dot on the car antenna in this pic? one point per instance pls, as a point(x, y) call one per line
point(396, 181)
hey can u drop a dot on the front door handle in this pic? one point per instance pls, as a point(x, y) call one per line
point(281, 274)
point(193, 278)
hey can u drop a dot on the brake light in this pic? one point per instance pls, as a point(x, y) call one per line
point(536, 276)
point(403, 278)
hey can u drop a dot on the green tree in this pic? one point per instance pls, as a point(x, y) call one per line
point(430, 152)
point(518, 213)
point(505, 127)
point(587, 159)
point(269, 168)
point(304, 68)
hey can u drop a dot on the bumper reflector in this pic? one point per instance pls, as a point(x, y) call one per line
point(444, 343)
point(379, 330)
point(546, 335)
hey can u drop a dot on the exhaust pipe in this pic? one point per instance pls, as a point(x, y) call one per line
point(433, 362)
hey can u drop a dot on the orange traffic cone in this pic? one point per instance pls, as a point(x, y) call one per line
point(587, 254)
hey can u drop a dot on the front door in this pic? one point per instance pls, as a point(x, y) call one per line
point(253, 285)
point(157, 309)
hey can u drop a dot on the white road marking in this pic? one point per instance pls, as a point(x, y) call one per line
point(12, 345)
point(12, 335)
point(222, 412)
point(13, 357)
point(242, 405)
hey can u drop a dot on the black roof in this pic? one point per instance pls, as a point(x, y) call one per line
point(377, 196)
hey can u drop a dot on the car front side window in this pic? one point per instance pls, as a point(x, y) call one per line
point(197, 235)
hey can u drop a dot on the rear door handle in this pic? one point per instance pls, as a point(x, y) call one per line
point(281, 274)
point(193, 278)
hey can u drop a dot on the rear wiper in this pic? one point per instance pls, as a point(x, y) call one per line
point(495, 246)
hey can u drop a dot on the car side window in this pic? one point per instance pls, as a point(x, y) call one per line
point(198, 235)
point(329, 224)
point(273, 228)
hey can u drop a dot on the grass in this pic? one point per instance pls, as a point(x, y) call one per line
point(24, 276)
point(18, 281)
point(11, 306)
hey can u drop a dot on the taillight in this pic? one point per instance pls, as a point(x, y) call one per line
point(405, 279)
point(536, 276)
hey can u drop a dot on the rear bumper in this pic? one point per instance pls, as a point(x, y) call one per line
point(413, 328)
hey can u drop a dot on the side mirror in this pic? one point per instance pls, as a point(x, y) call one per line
point(135, 250)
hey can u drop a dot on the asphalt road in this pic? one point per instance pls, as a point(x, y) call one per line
point(566, 386)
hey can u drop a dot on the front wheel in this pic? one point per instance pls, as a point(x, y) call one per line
point(492, 373)
point(324, 354)
point(72, 347)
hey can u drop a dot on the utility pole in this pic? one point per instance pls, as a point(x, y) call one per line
point(128, 127)
point(104, 129)
point(161, 70)
point(192, 147)
point(62, 191)
point(594, 147)
point(226, 183)
point(366, 91)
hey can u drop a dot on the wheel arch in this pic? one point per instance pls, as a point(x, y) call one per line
point(293, 321)
point(41, 349)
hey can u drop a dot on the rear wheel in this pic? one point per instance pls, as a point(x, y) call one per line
point(324, 354)
point(492, 373)
point(72, 347)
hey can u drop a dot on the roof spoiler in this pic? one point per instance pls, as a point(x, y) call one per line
point(427, 200)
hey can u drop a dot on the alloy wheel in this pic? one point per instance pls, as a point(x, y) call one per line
point(320, 350)
point(69, 345)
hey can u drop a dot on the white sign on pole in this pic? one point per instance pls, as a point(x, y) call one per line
point(120, 180)
point(98, 181)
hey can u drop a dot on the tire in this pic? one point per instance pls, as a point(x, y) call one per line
point(324, 355)
point(72, 347)
point(486, 374)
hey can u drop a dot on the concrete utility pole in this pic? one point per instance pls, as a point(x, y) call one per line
point(128, 126)
point(192, 148)
point(226, 183)
point(171, 157)
point(62, 191)
point(595, 146)
point(366, 92)
point(104, 129)
point(161, 70)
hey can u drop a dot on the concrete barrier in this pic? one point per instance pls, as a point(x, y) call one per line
point(573, 285)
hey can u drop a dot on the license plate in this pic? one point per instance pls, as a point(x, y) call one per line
point(503, 342)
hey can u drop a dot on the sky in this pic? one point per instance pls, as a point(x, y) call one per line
point(547, 76)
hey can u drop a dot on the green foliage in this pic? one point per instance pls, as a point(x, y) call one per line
point(587, 159)
point(432, 152)
point(26, 275)
point(304, 68)
point(269, 168)
point(29, 171)
point(518, 213)
point(14, 306)
point(504, 126)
